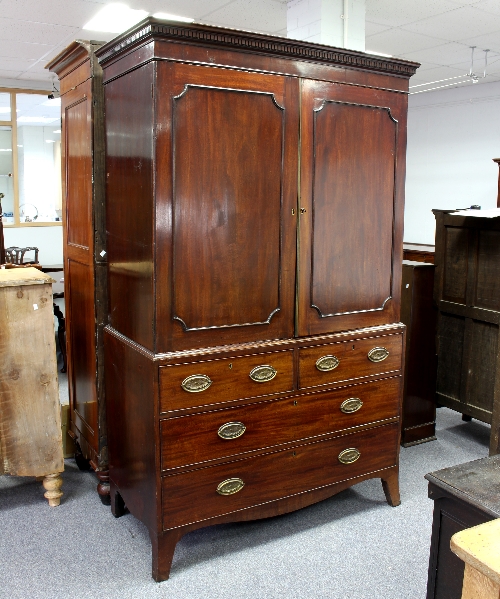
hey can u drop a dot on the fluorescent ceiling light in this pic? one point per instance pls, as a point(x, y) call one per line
point(37, 119)
point(378, 53)
point(168, 17)
point(52, 102)
point(58, 131)
point(115, 18)
point(50, 141)
point(5, 150)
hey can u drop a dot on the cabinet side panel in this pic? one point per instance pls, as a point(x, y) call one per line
point(455, 264)
point(78, 154)
point(482, 366)
point(129, 213)
point(488, 270)
point(130, 405)
point(81, 333)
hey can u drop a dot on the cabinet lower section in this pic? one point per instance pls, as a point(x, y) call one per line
point(196, 440)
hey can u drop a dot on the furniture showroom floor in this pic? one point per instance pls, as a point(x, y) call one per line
point(351, 546)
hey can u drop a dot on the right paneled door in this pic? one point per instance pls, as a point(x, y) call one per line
point(353, 146)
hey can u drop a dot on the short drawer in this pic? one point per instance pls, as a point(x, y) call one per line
point(226, 432)
point(209, 492)
point(225, 379)
point(346, 360)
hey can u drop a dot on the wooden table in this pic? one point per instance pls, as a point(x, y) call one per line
point(30, 421)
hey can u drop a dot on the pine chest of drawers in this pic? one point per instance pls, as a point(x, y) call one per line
point(254, 211)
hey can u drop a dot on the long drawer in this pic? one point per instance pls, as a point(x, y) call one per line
point(345, 360)
point(222, 433)
point(211, 381)
point(209, 492)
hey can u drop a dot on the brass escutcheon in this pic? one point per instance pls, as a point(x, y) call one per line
point(231, 430)
point(262, 374)
point(196, 383)
point(327, 363)
point(378, 354)
point(230, 486)
point(351, 405)
point(349, 456)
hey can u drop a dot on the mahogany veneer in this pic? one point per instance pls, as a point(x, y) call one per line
point(253, 354)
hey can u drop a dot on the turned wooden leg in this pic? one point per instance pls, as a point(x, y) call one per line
point(103, 486)
point(390, 484)
point(116, 501)
point(52, 484)
point(163, 547)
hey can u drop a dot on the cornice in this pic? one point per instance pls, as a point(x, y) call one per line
point(233, 39)
point(72, 56)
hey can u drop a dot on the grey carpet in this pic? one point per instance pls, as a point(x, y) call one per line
point(352, 546)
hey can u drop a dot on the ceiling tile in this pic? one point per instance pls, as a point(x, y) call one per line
point(15, 64)
point(492, 6)
point(9, 74)
point(37, 33)
point(25, 50)
point(489, 41)
point(445, 54)
point(397, 42)
point(196, 9)
point(74, 13)
point(458, 24)
point(253, 15)
point(373, 28)
point(400, 12)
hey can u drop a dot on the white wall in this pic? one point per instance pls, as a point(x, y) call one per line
point(453, 135)
point(49, 240)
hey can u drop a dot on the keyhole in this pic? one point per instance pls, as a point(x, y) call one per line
point(230, 366)
point(294, 402)
point(294, 454)
point(353, 347)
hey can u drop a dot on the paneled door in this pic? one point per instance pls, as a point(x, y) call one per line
point(351, 204)
point(227, 189)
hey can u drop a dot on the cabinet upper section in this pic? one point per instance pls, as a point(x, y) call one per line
point(216, 46)
point(243, 205)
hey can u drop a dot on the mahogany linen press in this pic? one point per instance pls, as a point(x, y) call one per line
point(254, 214)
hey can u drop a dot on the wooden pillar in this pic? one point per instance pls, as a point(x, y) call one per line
point(497, 160)
point(479, 548)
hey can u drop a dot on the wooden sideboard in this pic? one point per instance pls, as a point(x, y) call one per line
point(254, 352)
point(467, 294)
point(84, 226)
point(464, 495)
point(30, 414)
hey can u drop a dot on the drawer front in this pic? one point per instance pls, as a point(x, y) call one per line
point(223, 433)
point(194, 496)
point(333, 362)
point(226, 379)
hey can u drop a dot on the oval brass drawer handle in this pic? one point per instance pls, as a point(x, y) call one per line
point(327, 363)
point(231, 430)
point(230, 486)
point(196, 383)
point(378, 354)
point(262, 374)
point(349, 456)
point(351, 405)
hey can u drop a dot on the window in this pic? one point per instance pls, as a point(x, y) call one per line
point(30, 158)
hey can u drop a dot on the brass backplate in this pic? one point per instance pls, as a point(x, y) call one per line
point(378, 354)
point(196, 383)
point(351, 405)
point(231, 430)
point(262, 374)
point(349, 456)
point(230, 486)
point(327, 363)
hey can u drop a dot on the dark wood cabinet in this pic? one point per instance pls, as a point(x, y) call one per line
point(419, 314)
point(464, 496)
point(467, 292)
point(254, 354)
point(85, 271)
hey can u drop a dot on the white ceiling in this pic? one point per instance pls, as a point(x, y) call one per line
point(437, 33)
